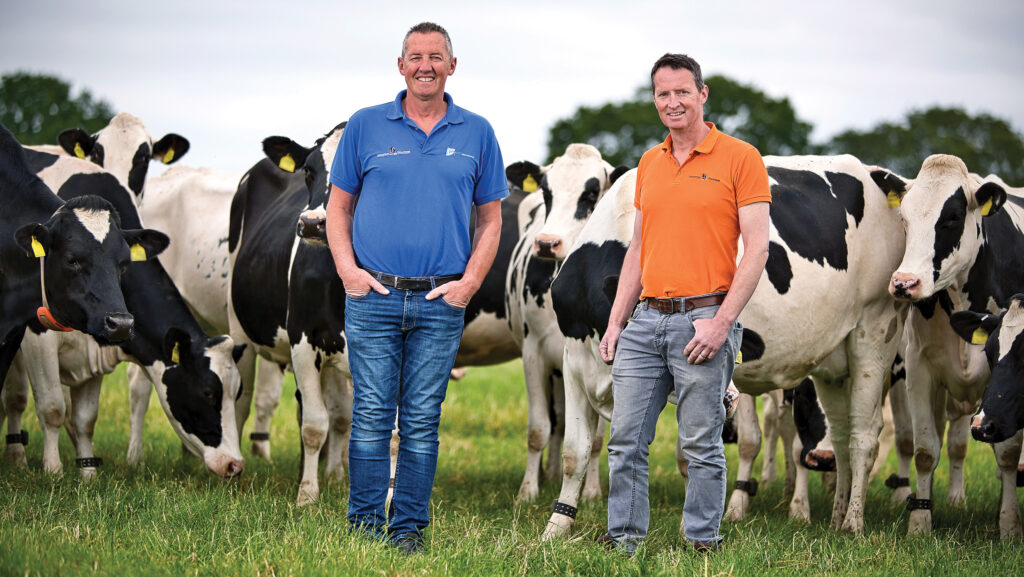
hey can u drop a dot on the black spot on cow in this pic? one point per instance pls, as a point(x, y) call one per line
point(780, 273)
point(949, 229)
point(998, 269)
point(539, 273)
point(140, 166)
point(490, 298)
point(927, 306)
point(580, 294)
point(850, 191)
point(588, 198)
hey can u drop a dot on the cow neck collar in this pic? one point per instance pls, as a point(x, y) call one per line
point(43, 313)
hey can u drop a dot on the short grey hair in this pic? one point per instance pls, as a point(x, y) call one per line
point(679, 62)
point(426, 28)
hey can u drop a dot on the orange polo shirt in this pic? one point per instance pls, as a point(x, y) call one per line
point(690, 214)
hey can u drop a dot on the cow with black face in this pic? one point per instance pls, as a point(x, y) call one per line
point(125, 148)
point(965, 252)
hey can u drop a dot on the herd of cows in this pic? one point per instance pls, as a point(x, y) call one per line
point(877, 286)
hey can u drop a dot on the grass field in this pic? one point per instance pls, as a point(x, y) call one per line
point(170, 517)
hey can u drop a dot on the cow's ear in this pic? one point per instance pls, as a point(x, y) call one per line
point(237, 352)
point(170, 148)
point(145, 243)
point(177, 346)
point(34, 238)
point(990, 197)
point(894, 186)
point(76, 142)
point(973, 327)
point(285, 153)
point(752, 346)
point(619, 171)
point(524, 175)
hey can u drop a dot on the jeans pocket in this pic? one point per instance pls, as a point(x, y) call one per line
point(452, 306)
point(360, 297)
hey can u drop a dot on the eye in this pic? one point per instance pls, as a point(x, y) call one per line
point(72, 262)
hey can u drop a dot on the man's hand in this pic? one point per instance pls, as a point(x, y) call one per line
point(609, 342)
point(359, 283)
point(709, 336)
point(456, 293)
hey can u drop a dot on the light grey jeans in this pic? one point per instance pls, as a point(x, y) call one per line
point(649, 364)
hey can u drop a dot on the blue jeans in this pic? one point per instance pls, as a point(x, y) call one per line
point(401, 348)
point(649, 364)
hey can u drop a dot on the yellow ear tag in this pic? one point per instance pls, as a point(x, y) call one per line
point(979, 336)
point(174, 354)
point(893, 198)
point(138, 253)
point(37, 248)
point(986, 208)
point(168, 156)
point(739, 358)
point(529, 184)
point(287, 163)
point(78, 151)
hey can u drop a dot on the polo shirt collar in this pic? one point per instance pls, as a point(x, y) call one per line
point(452, 116)
point(705, 145)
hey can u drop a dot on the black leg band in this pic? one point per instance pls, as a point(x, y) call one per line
point(895, 481)
point(749, 487)
point(88, 462)
point(563, 509)
point(914, 504)
point(18, 438)
point(254, 436)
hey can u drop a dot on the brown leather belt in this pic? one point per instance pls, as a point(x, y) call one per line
point(419, 283)
point(682, 304)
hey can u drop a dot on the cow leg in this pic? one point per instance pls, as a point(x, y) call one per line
point(749, 443)
point(139, 390)
point(886, 439)
point(799, 505)
point(338, 400)
point(313, 428)
point(903, 431)
point(247, 372)
point(835, 400)
point(787, 430)
point(15, 400)
point(956, 449)
point(1008, 454)
point(537, 375)
point(85, 406)
point(269, 378)
point(553, 466)
point(592, 480)
point(928, 412)
point(771, 404)
point(41, 367)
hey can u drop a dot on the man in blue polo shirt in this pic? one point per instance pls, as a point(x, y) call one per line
point(416, 166)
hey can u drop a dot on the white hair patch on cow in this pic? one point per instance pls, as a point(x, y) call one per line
point(95, 221)
point(1012, 326)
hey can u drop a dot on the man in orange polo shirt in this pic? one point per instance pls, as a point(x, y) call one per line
point(697, 193)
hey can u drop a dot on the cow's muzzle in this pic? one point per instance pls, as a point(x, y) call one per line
point(118, 326)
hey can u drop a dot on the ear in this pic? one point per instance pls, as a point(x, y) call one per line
point(170, 148)
point(285, 152)
point(752, 346)
point(34, 238)
point(894, 187)
point(145, 243)
point(973, 327)
point(177, 346)
point(619, 171)
point(990, 197)
point(237, 351)
point(524, 174)
point(76, 142)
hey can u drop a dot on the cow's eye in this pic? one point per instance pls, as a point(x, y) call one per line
point(72, 263)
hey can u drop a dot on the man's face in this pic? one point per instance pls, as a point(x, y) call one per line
point(680, 105)
point(426, 65)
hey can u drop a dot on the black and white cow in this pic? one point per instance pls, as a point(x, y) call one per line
point(61, 260)
point(192, 205)
point(821, 308)
point(965, 251)
point(548, 223)
point(125, 148)
point(196, 376)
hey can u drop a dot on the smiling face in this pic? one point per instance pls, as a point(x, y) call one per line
point(426, 65)
point(680, 104)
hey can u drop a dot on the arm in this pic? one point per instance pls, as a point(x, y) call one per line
point(485, 247)
point(711, 333)
point(626, 295)
point(340, 210)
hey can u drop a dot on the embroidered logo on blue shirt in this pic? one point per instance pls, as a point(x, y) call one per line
point(449, 152)
point(394, 152)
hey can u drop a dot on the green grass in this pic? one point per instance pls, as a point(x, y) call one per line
point(170, 517)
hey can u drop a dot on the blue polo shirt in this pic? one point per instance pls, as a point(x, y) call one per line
point(415, 190)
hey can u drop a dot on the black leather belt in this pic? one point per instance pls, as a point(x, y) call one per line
point(682, 304)
point(413, 283)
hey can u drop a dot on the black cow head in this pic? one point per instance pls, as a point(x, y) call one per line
point(1002, 406)
point(84, 253)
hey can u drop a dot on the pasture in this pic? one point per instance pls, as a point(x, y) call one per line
point(171, 517)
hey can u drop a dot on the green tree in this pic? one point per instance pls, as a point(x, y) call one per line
point(985, 143)
point(624, 131)
point(37, 107)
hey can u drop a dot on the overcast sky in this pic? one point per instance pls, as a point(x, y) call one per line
point(227, 74)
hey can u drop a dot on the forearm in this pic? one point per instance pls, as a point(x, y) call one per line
point(339, 230)
point(628, 291)
point(748, 272)
point(485, 244)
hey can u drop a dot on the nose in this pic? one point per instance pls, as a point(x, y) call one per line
point(983, 432)
point(820, 460)
point(234, 467)
point(546, 246)
point(313, 227)
point(904, 286)
point(118, 326)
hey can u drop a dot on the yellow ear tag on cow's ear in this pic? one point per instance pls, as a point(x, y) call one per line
point(37, 248)
point(893, 198)
point(174, 354)
point(287, 163)
point(529, 184)
point(979, 336)
point(78, 151)
point(986, 208)
point(168, 156)
point(739, 358)
point(138, 253)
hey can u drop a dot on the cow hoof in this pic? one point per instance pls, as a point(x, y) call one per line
point(558, 526)
point(899, 496)
point(592, 493)
point(88, 473)
point(527, 493)
point(800, 511)
point(16, 456)
point(737, 509)
point(853, 527)
point(55, 470)
point(920, 523)
point(956, 500)
point(307, 495)
point(261, 450)
point(335, 475)
point(134, 456)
